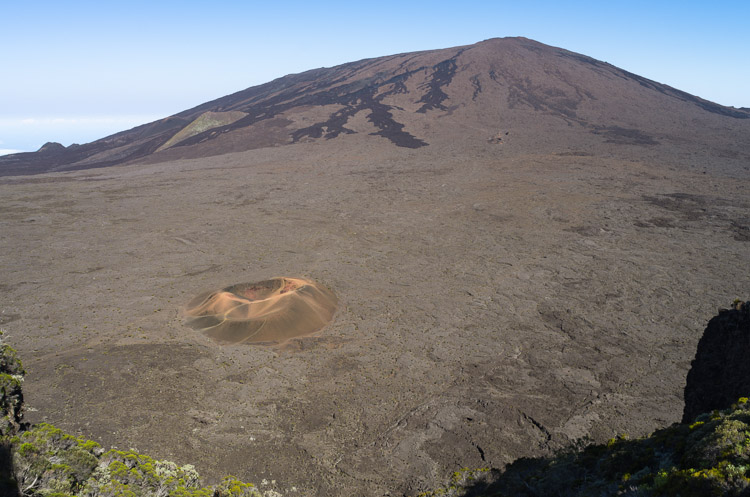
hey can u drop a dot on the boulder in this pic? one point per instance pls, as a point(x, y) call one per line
point(720, 372)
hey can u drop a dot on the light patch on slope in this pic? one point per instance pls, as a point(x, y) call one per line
point(204, 122)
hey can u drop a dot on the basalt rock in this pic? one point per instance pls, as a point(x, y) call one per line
point(720, 372)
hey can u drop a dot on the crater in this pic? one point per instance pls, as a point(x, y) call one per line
point(267, 312)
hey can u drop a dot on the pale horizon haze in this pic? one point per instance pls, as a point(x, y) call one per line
point(74, 72)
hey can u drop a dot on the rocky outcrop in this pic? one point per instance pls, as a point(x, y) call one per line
point(720, 372)
point(51, 147)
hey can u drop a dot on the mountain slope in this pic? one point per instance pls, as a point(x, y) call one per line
point(419, 99)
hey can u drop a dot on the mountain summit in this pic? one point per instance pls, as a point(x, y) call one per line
point(510, 85)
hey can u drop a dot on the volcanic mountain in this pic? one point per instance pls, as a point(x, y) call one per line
point(515, 86)
point(516, 247)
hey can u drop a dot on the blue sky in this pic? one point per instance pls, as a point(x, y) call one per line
point(77, 71)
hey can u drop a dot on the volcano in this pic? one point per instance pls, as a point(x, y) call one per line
point(514, 87)
point(491, 251)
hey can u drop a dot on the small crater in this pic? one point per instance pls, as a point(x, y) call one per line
point(268, 312)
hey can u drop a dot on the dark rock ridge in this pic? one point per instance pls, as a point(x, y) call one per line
point(51, 148)
point(494, 84)
point(720, 372)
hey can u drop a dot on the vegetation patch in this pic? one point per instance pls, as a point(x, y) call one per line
point(709, 457)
